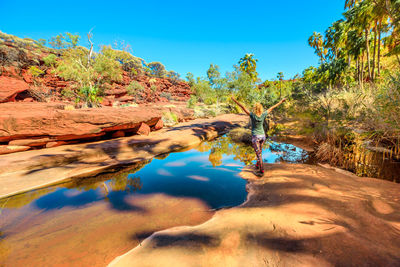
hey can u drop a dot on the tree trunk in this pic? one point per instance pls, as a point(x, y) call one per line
point(379, 52)
point(362, 70)
point(349, 60)
point(374, 55)
point(358, 71)
point(89, 36)
point(367, 47)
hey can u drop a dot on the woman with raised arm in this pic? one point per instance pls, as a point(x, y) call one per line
point(257, 130)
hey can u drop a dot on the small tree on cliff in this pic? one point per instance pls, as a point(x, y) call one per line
point(157, 69)
point(58, 42)
point(73, 39)
point(173, 76)
point(90, 74)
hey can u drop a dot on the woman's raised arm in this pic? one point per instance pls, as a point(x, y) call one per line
point(241, 105)
point(276, 105)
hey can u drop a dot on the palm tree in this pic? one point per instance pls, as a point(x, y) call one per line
point(248, 64)
point(360, 17)
point(335, 38)
point(280, 78)
point(316, 41)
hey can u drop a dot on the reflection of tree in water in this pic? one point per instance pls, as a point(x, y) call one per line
point(21, 200)
point(122, 180)
point(289, 153)
point(245, 153)
point(225, 146)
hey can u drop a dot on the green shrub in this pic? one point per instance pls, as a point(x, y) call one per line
point(153, 88)
point(134, 88)
point(35, 71)
point(157, 69)
point(192, 101)
point(68, 93)
point(50, 60)
point(169, 118)
point(107, 66)
point(90, 95)
point(166, 95)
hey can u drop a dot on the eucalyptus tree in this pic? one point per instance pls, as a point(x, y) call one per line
point(157, 69)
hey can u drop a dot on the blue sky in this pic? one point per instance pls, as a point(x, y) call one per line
point(186, 36)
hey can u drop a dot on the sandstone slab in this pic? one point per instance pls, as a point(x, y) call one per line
point(296, 215)
point(50, 120)
point(10, 87)
point(6, 149)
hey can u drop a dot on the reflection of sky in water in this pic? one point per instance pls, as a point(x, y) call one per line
point(211, 176)
point(190, 174)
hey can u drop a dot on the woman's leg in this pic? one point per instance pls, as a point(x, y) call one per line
point(255, 143)
point(261, 144)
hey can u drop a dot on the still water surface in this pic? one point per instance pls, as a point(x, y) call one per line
point(88, 222)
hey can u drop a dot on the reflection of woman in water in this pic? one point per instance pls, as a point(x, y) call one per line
point(257, 130)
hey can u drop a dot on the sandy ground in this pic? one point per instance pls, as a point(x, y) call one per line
point(296, 215)
point(92, 234)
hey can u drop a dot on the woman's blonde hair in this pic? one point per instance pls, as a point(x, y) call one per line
point(258, 109)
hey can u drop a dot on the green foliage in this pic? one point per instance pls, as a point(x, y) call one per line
point(242, 85)
point(157, 69)
point(90, 95)
point(35, 71)
point(41, 42)
point(72, 39)
point(169, 118)
point(153, 88)
point(107, 66)
point(90, 75)
point(190, 79)
point(129, 62)
point(50, 60)
point(213, 74)
point(134, 88)
point(192, 101)
point(166, 95)
point(74, 66)
point(248, 64)
point(174, 76)
point(58, 42)
point(204, 92)
point(61, 41)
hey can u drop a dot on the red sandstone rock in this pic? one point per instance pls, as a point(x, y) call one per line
point(144, 129)
point(10, 87)
point(55, 144)
point(34, 120)
point(125, 98)
point(106, 102)
point(29, 142)
point(12, 149)
point(11, 71)
point(28, 99)
point(116, 92)
point(159, 125)
point(27, 76)
point(80, 136)
point(118, 134)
